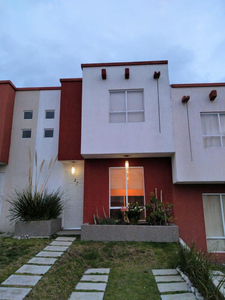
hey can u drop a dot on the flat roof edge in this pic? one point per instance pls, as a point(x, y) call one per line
point(115, 64)
point(70, 79)
point(186, 85)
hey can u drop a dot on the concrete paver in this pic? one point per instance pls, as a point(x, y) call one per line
point(56, 248)
point(169, 278)
point(164, 272)
point(42, 261)
point(33, 269)
point(91, 286)
point(95, 278)
point(97, 271)
point(65, 238)
point(11, 293)
point(61, 243)
point(185, 296)
point(49, 254)
point(172, 287)
point(22, 280)
point(87, 296)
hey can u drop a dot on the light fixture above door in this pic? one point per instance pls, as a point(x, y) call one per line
point(73, 169)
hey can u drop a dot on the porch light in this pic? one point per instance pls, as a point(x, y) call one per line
point(127, 164)
point(73, 169)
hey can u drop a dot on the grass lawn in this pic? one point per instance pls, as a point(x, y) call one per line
point(130, 263)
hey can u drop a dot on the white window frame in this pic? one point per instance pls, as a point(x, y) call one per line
point(126, 185)
point(223, 220)
point(126, 111)
point(220, 135)
point(49, 110)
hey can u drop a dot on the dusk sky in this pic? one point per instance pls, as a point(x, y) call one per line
point(42, 41)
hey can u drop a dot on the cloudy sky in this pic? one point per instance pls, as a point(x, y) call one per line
point(44, 40)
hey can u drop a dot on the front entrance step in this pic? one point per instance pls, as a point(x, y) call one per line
point(69, 232)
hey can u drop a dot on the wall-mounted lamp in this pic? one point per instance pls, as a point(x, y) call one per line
point(127, 164)
point(73, 169)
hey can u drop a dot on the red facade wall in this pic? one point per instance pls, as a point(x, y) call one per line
point(187, 198)
point(7, 100)
point(188, 209)
point(157, 174)
point(70, 120)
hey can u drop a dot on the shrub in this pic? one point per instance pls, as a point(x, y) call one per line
point(198, 266)
point(157, 212)
point(106, 221)
point(133, 213)
point(28, 206)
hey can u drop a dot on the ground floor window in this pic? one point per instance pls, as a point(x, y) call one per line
point(214, 212)
point(126, 186)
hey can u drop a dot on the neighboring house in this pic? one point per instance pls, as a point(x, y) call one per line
point(172, 136)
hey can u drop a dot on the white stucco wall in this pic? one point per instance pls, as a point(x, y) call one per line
point(17, 171)
point(103, 139)
point(205, 165)
point(47, 148)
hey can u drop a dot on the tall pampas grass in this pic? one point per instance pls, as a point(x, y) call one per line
point(33, 203)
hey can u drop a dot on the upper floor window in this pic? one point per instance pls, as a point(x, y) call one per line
point(49, 114)
point(26, 133)
point(48, 133)
point(126, 106)
point(213, 129)
point(28, 114)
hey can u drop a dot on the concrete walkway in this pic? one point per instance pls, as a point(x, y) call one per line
point(92, 285)
point(169, 282)
point(17, 286)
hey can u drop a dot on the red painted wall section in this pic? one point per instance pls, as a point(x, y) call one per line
point(188, 209)
point(7, 100)
point(157, 174)
point(70, 120)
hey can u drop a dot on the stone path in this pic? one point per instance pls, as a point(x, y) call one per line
point(169, 282)
point(29, 274)
point(92, 285)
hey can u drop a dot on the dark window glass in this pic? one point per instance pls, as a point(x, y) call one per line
point(50, 114)
point(48, 133)
point(26, 134)
point(28, 114)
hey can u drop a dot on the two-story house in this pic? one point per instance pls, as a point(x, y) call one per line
point(127, 132)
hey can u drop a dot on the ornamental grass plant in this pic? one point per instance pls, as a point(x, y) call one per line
point(199, 266)
point(28, 206)
point(34, 202)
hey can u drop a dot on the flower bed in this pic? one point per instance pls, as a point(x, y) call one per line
point(137, 233)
